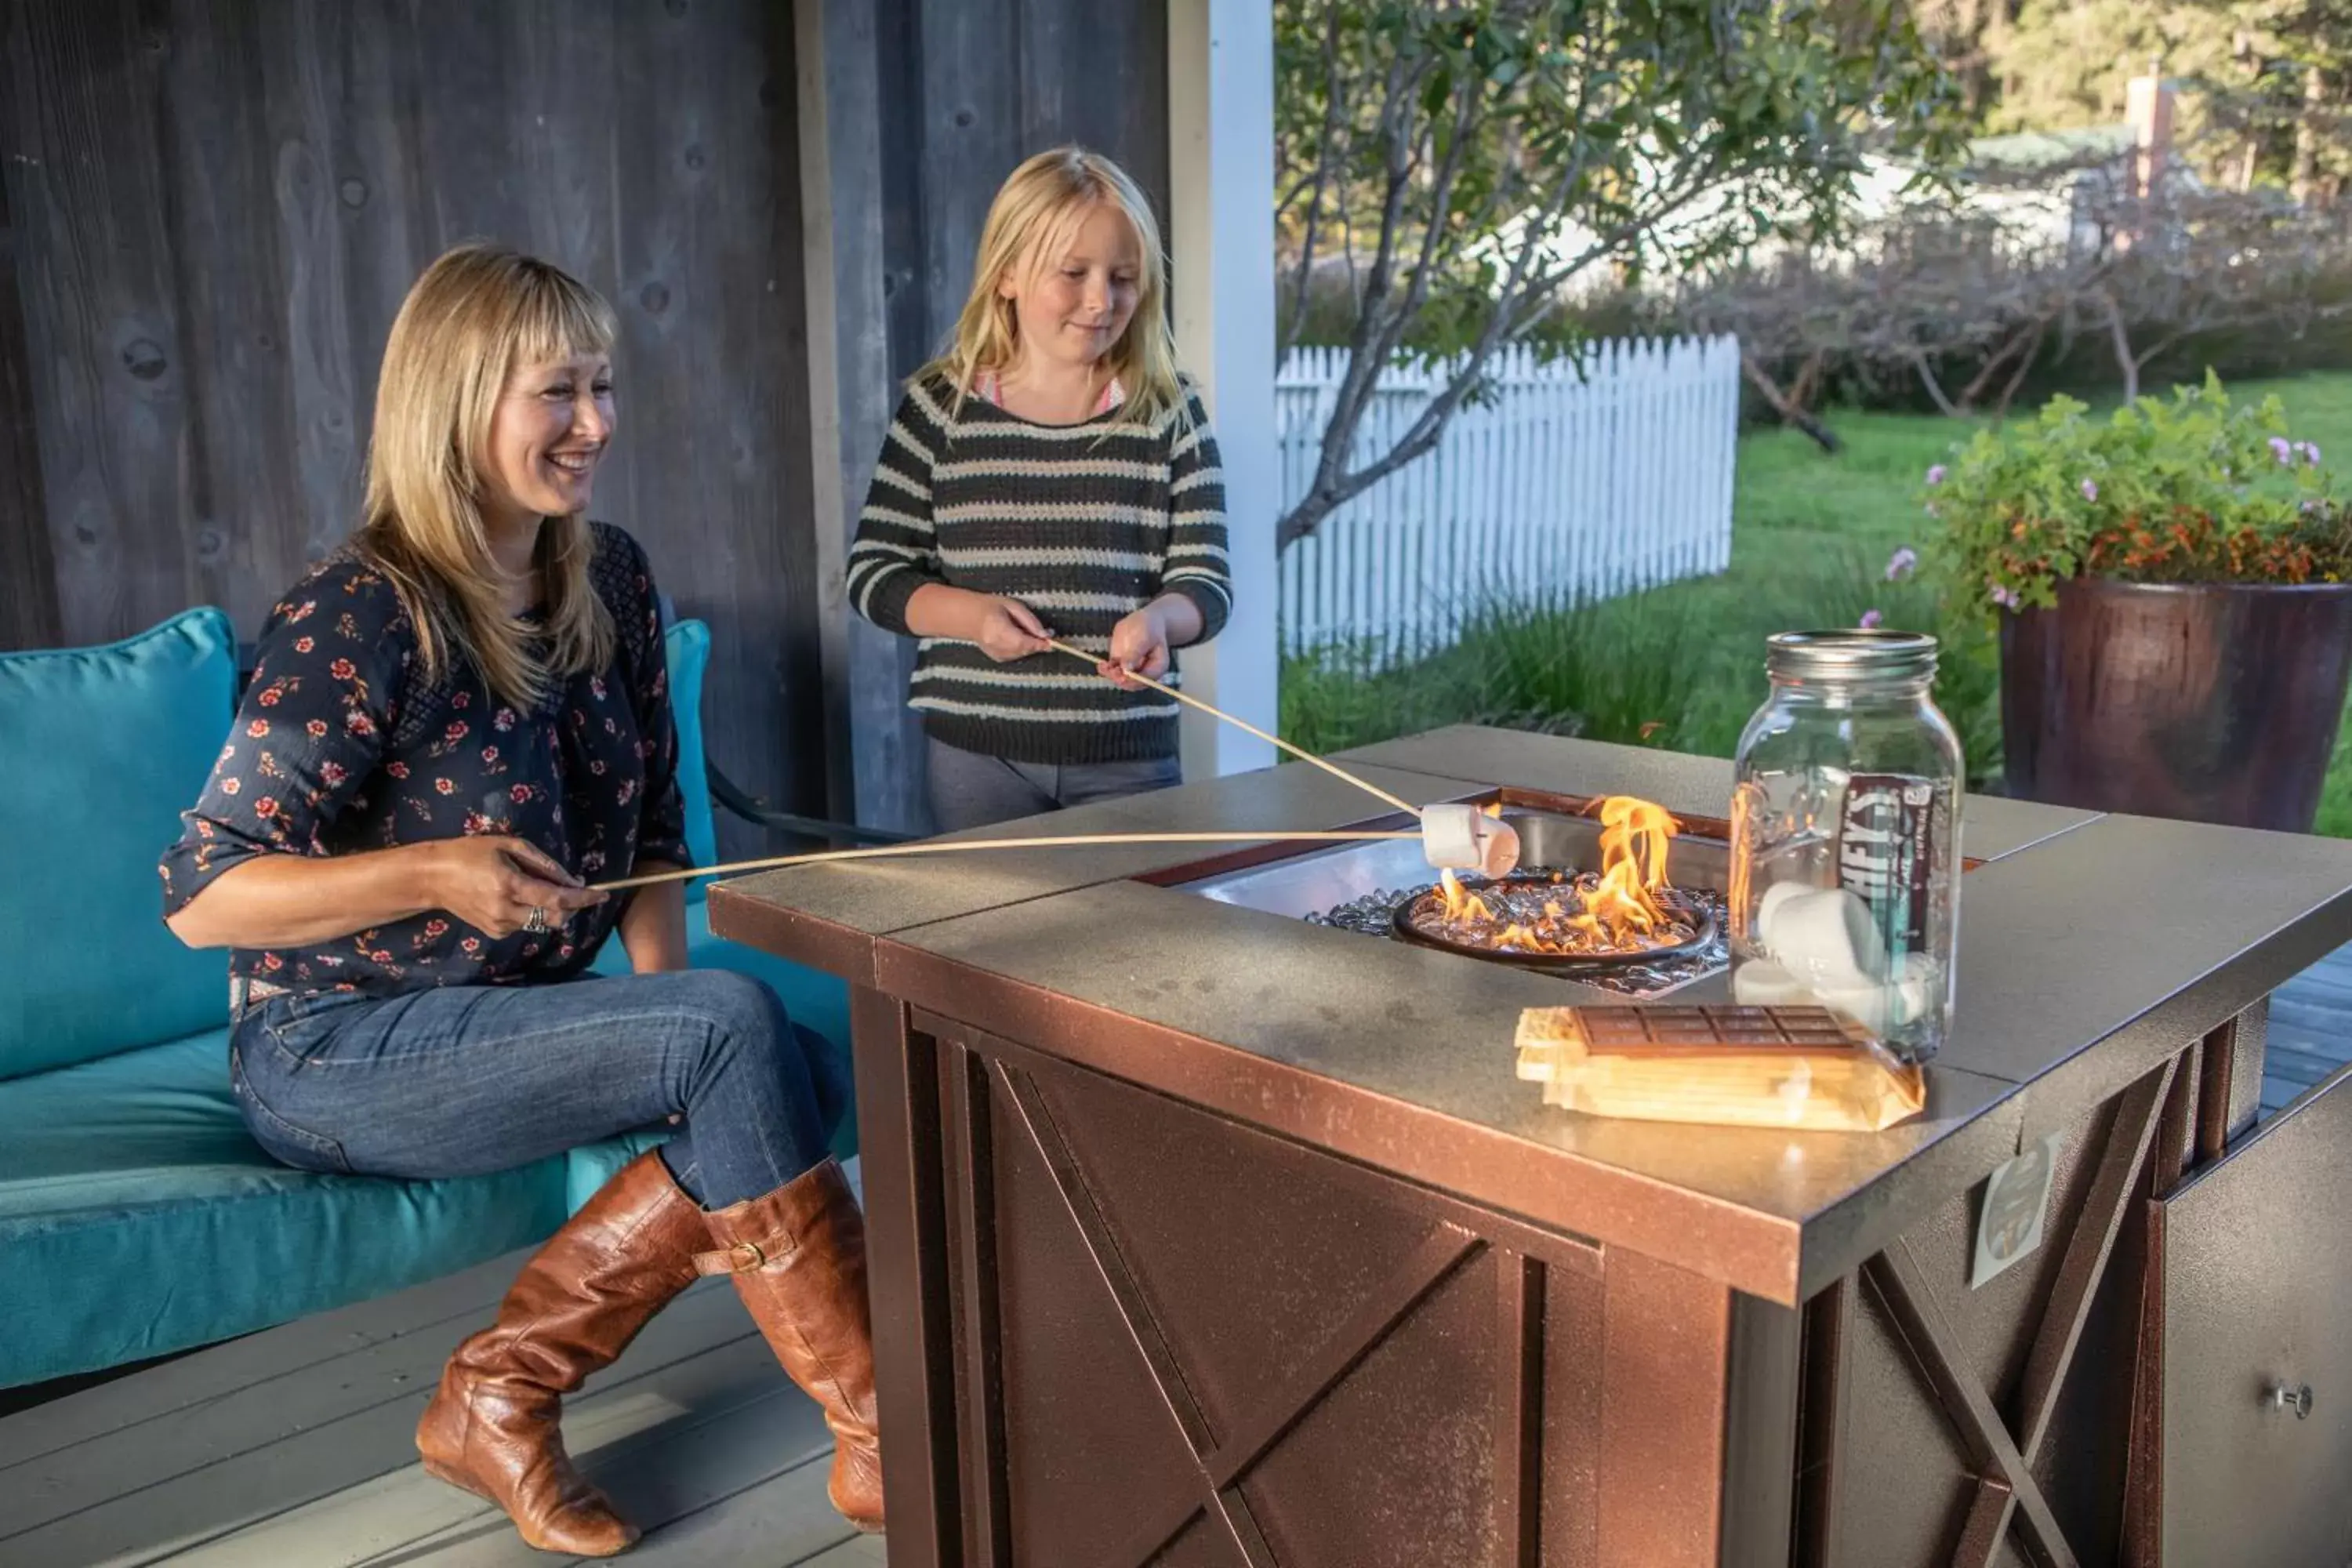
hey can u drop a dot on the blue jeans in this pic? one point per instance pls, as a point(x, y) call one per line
point(971, 790)
point(472, 1079)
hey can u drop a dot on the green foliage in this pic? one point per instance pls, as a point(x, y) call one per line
point(1459, 160)
point(2267, 84)
point(1451, 140)
point(2194, 489)
point(1813, 541)
point(1673, 669)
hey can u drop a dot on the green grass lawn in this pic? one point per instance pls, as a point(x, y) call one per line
point(1682, 666)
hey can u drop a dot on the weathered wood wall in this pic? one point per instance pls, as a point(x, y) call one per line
point(217, 207)
point(212, 210)
point(28, 588)
point(927, 106)
point(1000, 81)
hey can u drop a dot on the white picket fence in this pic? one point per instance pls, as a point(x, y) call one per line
point(1577, 480)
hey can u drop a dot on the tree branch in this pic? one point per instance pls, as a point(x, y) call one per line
point(2010, 345)
point(1440, 197)
point(2017, 376)
point(1334, 486)
point(2121, 339)
point(1821, 433)
point(1375, 324)
point(1334, 97)
point(1935, 388)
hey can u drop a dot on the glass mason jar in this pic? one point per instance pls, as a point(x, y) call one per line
point(1846, 852)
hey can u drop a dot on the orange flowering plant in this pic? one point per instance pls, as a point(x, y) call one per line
point(2196, 489)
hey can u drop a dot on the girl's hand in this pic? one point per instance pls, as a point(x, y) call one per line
point(1138, 644)
point(493, 883)
point(1008, 629)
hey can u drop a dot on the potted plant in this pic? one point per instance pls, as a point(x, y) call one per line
point(2172, 589)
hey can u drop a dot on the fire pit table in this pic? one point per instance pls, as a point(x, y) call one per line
point(1204, 1231)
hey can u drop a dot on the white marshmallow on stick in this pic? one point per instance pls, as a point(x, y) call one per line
point(1499, 848)
point(1459, 836)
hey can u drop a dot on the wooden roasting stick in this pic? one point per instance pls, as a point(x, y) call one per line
point(939, 846)
point(956, 846)
point(1304, 756)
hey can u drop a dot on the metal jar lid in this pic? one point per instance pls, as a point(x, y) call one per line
point(1852, 654)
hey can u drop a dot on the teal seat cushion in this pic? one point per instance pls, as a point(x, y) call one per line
point(100, 750)
point(137, 1217)
point(687, 645)
point(591, 1165)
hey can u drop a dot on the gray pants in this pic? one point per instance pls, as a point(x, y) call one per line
point(968, 790)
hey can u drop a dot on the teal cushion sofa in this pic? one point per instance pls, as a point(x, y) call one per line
point(137, 1216)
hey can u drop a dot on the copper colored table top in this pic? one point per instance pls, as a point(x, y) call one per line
point(2091, 947)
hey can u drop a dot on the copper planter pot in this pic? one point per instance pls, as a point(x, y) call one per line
point(2212, 702)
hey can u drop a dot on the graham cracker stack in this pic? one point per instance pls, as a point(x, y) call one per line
point(1748, 1067)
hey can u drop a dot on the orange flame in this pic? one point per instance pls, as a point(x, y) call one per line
point(1632, 863)
point(1461, 905)
point(1618, 911)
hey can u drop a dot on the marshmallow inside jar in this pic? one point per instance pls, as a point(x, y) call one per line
point(1778, 894)
point(1761, 983)
point(1824, 936)
point(1824, 949)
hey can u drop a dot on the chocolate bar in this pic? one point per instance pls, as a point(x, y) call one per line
point(1798, 1067)
point(1732, 1028)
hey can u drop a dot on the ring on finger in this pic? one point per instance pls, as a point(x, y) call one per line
point(537, 923)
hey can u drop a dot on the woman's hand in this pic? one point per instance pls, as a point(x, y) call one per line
point(493, 883)
point(1138, 643)
point(1010, 629)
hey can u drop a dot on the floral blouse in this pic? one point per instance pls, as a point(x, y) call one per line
point(341, 747)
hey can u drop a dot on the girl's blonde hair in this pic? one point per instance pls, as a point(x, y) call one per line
point(1031, 223)
point(475, 314)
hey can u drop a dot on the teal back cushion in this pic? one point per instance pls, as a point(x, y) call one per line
point(100, 750)
point(687, 644)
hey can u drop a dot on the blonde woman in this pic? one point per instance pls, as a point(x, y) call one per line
point(1051, 474)
point(458, 719)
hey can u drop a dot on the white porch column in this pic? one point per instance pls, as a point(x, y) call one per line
point(1221, 179)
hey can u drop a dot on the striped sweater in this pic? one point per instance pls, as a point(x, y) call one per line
point(1083, 523)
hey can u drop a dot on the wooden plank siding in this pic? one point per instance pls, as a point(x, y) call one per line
point(214, 212)
point(29, 586)
point(929, 104)
point(998, 81)
point(211, 214)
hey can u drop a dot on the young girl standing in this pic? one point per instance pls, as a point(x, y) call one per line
point(1052, 475)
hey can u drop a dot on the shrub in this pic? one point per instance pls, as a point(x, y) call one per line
point(2197, 489)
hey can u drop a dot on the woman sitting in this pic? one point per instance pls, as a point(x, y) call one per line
point(458, 721)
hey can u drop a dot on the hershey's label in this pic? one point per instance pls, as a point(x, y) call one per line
point(1887, 854)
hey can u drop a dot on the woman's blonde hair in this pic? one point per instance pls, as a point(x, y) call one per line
point(1031, 223)
point(475, 314)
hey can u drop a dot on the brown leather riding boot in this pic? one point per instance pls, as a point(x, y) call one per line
point(798, 1257)
point(491, 1426)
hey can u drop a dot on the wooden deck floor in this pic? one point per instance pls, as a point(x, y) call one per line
point(2310, 1030)
point(292, 1449)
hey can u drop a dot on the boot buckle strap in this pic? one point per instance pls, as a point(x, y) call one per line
point(743, 1257)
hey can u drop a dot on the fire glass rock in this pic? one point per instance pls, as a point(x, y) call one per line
point(1545, 916)
point(1373, 914)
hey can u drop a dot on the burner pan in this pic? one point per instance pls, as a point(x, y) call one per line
point(1696, 912)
